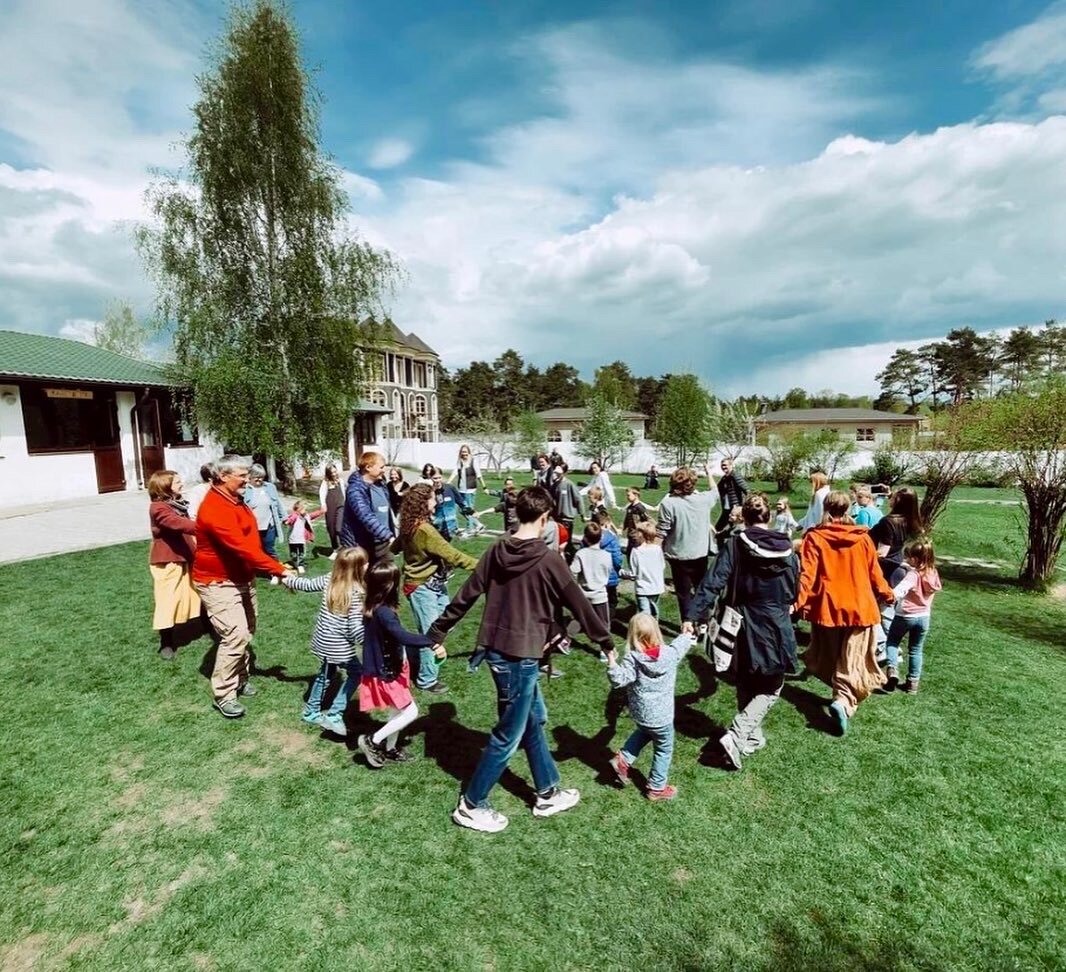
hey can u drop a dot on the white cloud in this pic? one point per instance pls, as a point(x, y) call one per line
point(1027, 65)
point(80, 329)
point(1029, 50)
point(705, 261)
point(387, 153)
point(674, 213)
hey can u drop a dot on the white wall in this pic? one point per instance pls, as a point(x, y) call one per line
point(187, 460)
point(26, 479)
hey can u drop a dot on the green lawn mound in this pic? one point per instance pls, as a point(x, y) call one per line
point(140, 830)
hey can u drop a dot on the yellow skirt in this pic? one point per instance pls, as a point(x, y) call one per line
point(175, 600)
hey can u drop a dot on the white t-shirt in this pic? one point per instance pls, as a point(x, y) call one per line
point(649, 568)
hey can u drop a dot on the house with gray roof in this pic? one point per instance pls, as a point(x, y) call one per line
point(404, 372)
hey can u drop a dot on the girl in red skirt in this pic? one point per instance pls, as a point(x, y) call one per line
point(386, 680)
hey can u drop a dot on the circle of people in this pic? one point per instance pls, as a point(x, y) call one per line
point(863, 579)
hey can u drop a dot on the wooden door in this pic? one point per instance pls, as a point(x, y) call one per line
point(107, 447)
point(150, 438)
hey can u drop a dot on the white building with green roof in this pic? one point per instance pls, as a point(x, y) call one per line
point(77, 420)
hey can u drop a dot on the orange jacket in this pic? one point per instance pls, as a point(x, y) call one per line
point(839, 577)
point(227, 542)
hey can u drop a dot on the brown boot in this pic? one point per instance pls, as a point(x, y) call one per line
point(911, 687)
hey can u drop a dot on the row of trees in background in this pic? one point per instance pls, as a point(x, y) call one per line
point(967, 365)
point(508, 386)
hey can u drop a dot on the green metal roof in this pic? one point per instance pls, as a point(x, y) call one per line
point(60, 359)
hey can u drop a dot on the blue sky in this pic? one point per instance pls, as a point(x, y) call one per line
point(765, 193)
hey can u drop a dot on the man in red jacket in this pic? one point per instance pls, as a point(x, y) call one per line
point(523, 583)
point(228, 555)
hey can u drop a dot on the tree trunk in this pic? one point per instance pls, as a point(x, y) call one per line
point(1045, 513)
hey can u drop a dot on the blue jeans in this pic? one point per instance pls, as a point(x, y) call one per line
point(353, 669)
point(477, 656)
point(648, 604)
point(427, 605)
point(915, 630)
point(521, 721)
point(662, 740)
point(267, 538)
point(469, 499)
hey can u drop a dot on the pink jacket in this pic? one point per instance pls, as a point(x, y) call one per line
point(917, 591)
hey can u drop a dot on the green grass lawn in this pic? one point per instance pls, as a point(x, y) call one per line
point(139, 830)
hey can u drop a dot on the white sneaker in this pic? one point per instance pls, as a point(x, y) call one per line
point(301, 571)
point(333, 556)
point(555, 802)
point(731, 750)
point(485, 819)
point(275, 580)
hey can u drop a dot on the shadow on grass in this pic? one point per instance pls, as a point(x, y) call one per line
point(1023, 621)
point(456, 749)
point(832, 947)
point(978, 577)
point(811, 706)
point(594, 751)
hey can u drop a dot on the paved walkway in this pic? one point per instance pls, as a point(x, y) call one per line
point(45, 529)
point(28, 532)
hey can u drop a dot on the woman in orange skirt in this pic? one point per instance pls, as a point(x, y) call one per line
point(839, 578)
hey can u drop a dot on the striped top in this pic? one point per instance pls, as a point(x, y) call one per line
point(336, 639)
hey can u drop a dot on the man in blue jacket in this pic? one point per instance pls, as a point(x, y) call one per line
point(366, 520)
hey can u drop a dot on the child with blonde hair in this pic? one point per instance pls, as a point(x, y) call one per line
point(301, 533)
point(649, 669)
point(914, 610)
point(338, 634)
point(784, 521)
point(649, 567)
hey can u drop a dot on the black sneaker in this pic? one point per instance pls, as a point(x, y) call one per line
point(437, 688)
point(399, 755)
point(374, 754)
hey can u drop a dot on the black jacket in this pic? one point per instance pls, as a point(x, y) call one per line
point(764, 588)
point(732, 489)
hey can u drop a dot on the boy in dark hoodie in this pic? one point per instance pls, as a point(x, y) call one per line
point(760, 573)
point(523, 583)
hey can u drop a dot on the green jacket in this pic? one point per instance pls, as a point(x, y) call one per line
point(425, 551)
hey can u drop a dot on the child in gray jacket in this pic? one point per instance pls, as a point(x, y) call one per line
point(649, 668)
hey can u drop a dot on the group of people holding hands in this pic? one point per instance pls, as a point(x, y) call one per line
point(541, 585)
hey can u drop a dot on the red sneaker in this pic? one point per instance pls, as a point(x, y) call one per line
point(666, 793)
point(621, 768)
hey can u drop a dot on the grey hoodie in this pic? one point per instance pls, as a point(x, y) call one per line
point(651, 682)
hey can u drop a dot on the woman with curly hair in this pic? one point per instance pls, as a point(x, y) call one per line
point(427, 557)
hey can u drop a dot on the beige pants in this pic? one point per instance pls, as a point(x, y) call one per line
point(845, 659)
point(232, 610)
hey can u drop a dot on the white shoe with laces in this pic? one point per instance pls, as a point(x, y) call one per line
point(484, 819)
point(555, 801)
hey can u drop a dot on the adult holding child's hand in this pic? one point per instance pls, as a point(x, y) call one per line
point(685, 530)
point(228, 555)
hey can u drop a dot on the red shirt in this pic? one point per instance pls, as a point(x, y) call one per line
point(227, 542)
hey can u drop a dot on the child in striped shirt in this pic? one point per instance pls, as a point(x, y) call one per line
point(338, 634)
